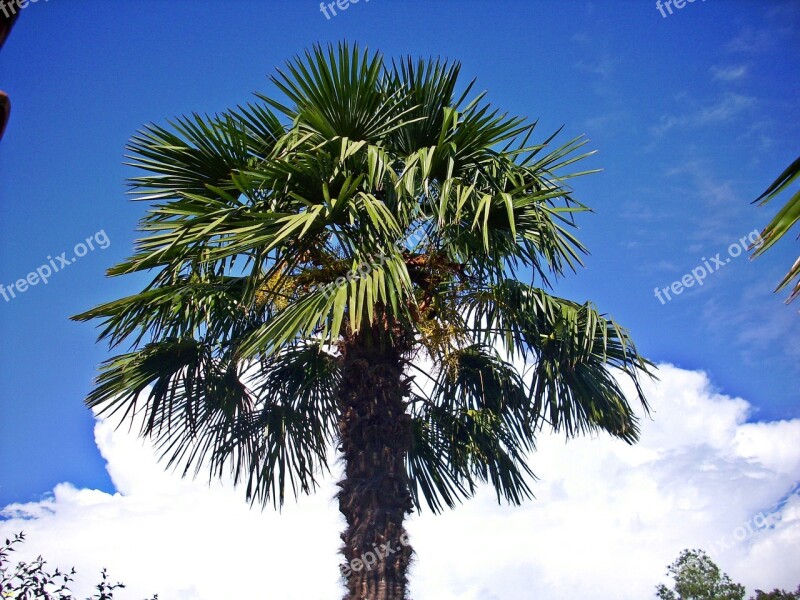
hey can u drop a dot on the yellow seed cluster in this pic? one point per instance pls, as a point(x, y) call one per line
point(277, 290)
point(441, 336)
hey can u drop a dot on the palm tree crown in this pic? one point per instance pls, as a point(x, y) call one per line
point(375, 212)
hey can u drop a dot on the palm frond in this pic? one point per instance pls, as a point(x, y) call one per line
point(782, 222)
point(453, 452)
point(269, 425)
point(336, 93)
point(573, 350)
point(202, 153)
point(369, 197)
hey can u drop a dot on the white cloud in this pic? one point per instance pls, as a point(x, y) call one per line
point(711, 190)
point(728, 74)
point(603, 66)
point(607, 520)
point(730, 106)
point(751, 41)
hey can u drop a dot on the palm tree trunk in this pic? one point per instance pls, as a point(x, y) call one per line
point(374, 498)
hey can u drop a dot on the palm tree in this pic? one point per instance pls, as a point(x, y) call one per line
point(342, 270)
point(782, 222)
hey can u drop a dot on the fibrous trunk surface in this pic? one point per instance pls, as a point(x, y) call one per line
point(374, 498)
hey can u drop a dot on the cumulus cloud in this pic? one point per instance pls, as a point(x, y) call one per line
point(607, 520)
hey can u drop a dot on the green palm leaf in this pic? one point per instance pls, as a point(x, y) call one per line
point(782, 222)
point(373, 212)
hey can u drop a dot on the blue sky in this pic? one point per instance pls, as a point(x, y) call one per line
point(692, 116)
